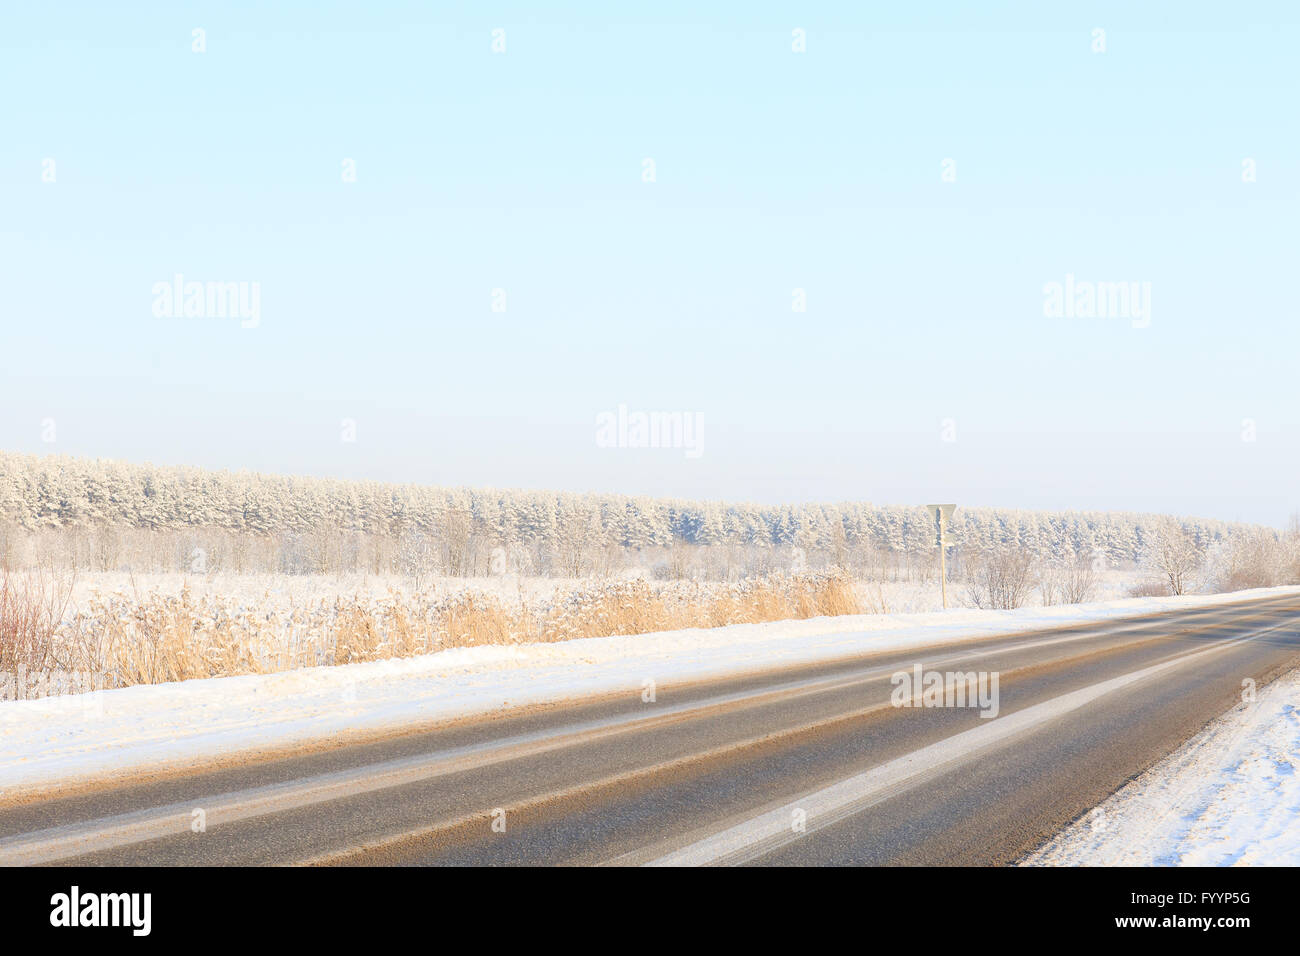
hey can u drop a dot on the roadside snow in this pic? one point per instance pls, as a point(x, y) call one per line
point(59, 740)
point(1229, 796)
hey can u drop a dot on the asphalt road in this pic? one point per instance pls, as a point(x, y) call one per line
point(802, 766)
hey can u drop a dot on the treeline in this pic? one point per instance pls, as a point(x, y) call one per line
point(110, 515)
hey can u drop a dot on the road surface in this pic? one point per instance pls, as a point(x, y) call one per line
point(807, 766)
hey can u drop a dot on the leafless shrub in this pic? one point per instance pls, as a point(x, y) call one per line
point(31, 608)
point(1260, 559)
point(1000, 579)
point(11, 542)
point(1174, 555)
point(456, 540)
point(1072, 582)
point(875, 602)
point(1080, 582)
point(416, 557)
point(1151, 587)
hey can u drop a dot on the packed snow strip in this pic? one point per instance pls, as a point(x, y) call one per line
point(60, 740)
point(1229, 796)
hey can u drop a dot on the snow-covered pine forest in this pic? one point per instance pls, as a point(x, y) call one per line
point(110, 515)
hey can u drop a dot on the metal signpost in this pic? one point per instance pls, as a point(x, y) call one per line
point(941, 515)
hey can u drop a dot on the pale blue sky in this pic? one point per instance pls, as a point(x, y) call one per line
point(775, 171)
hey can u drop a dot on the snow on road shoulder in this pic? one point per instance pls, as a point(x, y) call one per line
point(60, 740)
point(1229, 796)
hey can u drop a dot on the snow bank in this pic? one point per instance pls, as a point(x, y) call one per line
point(64, 739)
point(1229, 796)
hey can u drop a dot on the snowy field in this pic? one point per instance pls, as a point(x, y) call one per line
point(280, 591)
point(1230, 796)
point(64, 739)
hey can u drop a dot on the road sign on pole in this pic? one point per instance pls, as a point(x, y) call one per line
point(941, 515)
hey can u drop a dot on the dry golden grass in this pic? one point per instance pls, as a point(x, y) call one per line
point(149, 639)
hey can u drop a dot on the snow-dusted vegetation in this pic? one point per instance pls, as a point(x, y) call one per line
point(50, 643)
point(127, 574)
